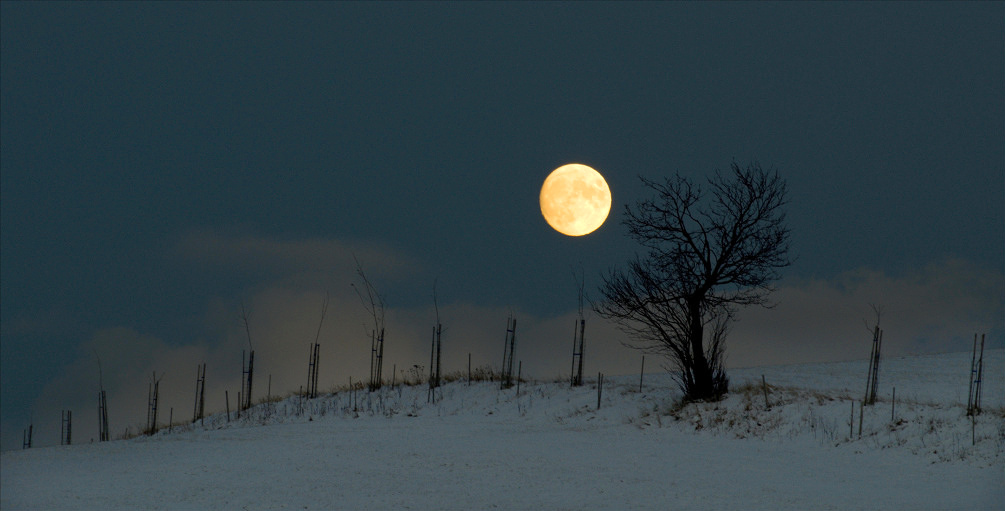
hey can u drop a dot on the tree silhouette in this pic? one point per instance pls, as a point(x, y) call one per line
point(710, 249)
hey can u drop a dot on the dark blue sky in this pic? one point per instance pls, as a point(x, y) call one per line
point(162, 162)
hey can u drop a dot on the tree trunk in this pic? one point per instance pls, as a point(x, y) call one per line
point(702, 387)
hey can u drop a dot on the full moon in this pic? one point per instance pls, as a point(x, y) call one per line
point(575, 199)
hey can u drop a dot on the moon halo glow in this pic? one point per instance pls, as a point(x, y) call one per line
point(575, 199)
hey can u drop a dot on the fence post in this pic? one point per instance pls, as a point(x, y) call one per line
point(764, 385)
point(861, 413)
point(973, 430)
point(893, 405)
point(642, 373)
point(851, 421)
point(600, 387)
point(519, 371)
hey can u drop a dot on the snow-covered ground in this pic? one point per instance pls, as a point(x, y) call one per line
point(481, 447)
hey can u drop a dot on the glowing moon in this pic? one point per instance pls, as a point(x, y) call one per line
point(575, 199)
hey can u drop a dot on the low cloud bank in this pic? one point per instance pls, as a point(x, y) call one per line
point(935, 309)
point(283, 324)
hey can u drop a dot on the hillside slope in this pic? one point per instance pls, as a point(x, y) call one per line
point(549, 447)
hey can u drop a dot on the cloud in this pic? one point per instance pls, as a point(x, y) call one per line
point(286, 257)
point(937, 308)
point(283, 322)
point(127, 360)
point(934, 309)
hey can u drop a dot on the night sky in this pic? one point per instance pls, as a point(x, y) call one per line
point(164, 162)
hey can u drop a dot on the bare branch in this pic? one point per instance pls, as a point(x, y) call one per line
point(324, 309)
point(244, 316)
point(373, 302)
point(878, 311)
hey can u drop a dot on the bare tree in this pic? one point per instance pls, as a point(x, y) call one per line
point(710, 249)
point(374, 305)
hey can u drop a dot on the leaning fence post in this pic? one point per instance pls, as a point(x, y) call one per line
point(642, 373)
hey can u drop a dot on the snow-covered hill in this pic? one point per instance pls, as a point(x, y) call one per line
point(550, 447)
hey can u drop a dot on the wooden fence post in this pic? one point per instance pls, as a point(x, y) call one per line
point(764, 385)
point(519, 371)
point(851, 421)
point(893, 405)
point(66, 417)
point(600, 387)
point(642, 373)
point(861, 413)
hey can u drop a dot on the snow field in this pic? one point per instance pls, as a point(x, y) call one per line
point(481, 447)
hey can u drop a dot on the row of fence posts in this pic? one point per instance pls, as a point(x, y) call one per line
point(506, 377)
point(247, 371)
point(244, 399)
point(861, 414)
point(975, 379)
point(199, 409)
